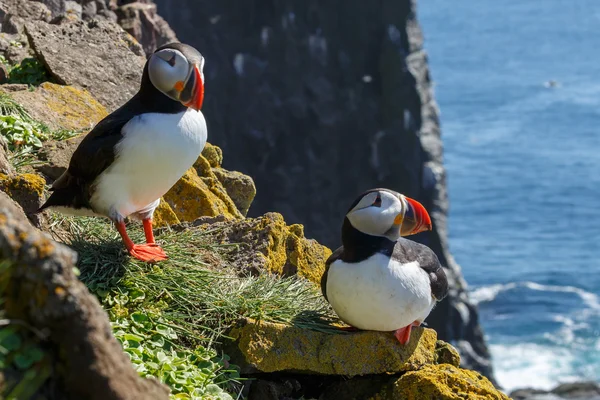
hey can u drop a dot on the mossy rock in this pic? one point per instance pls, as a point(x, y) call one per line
point(442, 382)
point(193, 197)
point(213, 154)
point(61, 107)
point(164, 215)
point(269, 244)
point(445, 353)
point(267, 347)
point(26, 190)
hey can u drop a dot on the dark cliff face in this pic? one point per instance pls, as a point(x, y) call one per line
point(319, 101)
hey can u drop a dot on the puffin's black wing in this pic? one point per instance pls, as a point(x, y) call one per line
point(336, 255)
point(93, 155)
point(407, 251)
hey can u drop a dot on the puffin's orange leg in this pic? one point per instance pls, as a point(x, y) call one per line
point(403, 334)
point(148, 231)
point(149, 252)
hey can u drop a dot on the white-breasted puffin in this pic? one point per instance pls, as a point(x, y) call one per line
point(378, 280)
point(136, 154)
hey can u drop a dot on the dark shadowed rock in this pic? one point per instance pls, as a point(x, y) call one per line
point(321, 101)
point(41, 291)
point(140, 19)
point(95, 55)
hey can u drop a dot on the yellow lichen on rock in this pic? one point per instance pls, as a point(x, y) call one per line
point(441, 382)
point(305, 257)
point(31, 183)
point(269, 347)
point(61, 107)
point(164, 215)
point(191, 198)
point(213, 154)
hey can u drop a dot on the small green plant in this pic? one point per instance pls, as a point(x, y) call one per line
point(21, 134)
point(30, 71)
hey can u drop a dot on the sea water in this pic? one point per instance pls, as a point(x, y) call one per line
point(518, 85)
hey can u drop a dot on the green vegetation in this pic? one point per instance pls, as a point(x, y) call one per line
point(30, 71)
point(172, 317)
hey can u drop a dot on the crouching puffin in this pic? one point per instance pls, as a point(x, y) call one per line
point(378, 280)
point(136, 154)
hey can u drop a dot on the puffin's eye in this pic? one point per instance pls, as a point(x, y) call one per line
point(377, 202)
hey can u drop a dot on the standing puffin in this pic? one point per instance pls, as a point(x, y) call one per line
point(136, 154)
point(378, 280)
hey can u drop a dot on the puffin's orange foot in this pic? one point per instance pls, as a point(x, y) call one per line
point(403, 334)
point(148, 252)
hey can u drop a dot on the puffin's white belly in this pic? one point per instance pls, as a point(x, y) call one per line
point(154, 153)
point(379, 293)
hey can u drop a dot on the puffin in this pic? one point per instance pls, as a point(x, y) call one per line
point(132, 157)
point(377, 280)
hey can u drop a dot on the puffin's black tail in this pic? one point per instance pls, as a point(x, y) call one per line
point(60, 197)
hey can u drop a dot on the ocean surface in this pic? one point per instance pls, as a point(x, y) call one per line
point(523, 161)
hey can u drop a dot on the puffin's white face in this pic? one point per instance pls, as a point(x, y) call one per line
point(389, 214)
point(174, 75)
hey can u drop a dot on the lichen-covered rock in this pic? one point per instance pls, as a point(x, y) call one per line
point(213, 154)
point(268, 347)
point(442, 382)
point(192, 197)
point(239, 187)
point(61, 107)
point(445, 353)
point(98, 56)
point(275, 246)
point(164, 215)
point(25, 189)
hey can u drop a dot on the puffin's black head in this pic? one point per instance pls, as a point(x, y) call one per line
point(175, 69)
point(383, 212)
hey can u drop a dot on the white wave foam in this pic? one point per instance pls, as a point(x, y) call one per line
point(529, 365)
point(489, 293)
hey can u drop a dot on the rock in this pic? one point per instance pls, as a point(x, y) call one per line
point(164, 215)
point(25, 189)
point(6, 167)
point(239, 187)
point(40, 289)
point(276, 247)
point(3, 74)
point(73, 9)
point(56, 7)
point(446, 354)
point(442, 382)
point(56, 155)
point(363, 115)
point(61, 107)
point(574, 390)
point(140, 19)
point(213, 154)
point(263, 347)
point(192, 197)
point(95, 55)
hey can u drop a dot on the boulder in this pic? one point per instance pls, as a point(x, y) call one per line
point(239, 187)
point(263, 347)
point(276, 247)
point(40, 290)
point(94, 55)
point(25, 189)
point(194, 196)
point(61, 107)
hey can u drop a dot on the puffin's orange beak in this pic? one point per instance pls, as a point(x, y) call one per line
point(415, 219)
point(193, 93)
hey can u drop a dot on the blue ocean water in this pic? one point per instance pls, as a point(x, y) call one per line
point(523, 160)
